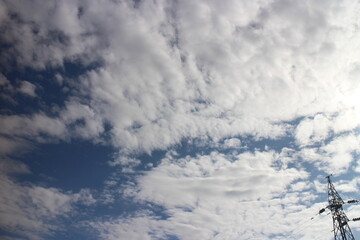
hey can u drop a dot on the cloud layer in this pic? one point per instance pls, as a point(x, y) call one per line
point(225, 77)
point(221, 196)
point(30, 210)
point(173, 70)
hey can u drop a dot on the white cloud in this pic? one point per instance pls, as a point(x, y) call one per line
point(33, 211)
point(85, 197)
point(125, 161)
point(319, 128)
point(337, 156)
point(177, 70)
point(75, 121)
point(232, 143)
point(81, 120)
point(3, 80)
point(137, 228)
point(169, 71)
point(215, 175)
point(213, 197)
point(347, 120)
point(348, 186)
point(9, 166)
point(232, 99)
point(29, 210)
point(7, 90)
point(353, 211)
point(310, 131)
point(13, 145)
point(27, 88)
point(17, 129)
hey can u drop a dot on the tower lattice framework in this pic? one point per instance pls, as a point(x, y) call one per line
point(341, 230)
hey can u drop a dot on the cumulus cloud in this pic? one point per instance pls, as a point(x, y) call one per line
point(335, 157)
point(219, 177)
point(17, 125)
point(19, 133)
point(312, 131)
point(317, 129)
point(27, 88)
point(220, 196)
point(173, 70)
point(232, 143)
point(75, 121)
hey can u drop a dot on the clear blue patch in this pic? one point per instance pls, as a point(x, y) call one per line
point(69, 166)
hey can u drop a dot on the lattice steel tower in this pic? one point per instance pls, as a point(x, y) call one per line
point(340, 220)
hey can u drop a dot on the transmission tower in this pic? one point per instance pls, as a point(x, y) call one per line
point(341, 230)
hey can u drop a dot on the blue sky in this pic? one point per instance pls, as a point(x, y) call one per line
point(177, 119)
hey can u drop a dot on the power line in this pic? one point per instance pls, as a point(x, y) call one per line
point(305, 226)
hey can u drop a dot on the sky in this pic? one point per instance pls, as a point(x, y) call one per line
point(177, 119)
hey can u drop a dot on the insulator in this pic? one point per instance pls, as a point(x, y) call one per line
point(356, 219)
point(352, 201)
point(322, 210)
